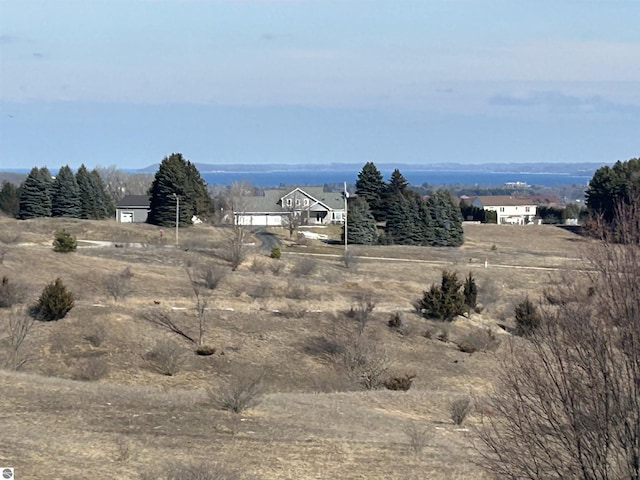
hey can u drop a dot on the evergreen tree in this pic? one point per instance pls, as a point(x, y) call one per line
point(35, 198)
point(65, 195)
point(177, 177)
point(105, 207)
point(361, 226)
point(470, 292)
point(445, 220)
point(610, 186)
point(88, 196)
point(370, 185)
point(9, 199)
point(400, 227)
point(444, 302)
point(397, 183)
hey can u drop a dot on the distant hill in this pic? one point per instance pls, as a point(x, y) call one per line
point(557, 168)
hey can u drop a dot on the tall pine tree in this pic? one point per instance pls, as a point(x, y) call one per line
point(65, 194)
point(371, 186)
point(177, 177)
point(35, 195)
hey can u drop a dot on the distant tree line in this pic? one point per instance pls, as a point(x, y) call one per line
point(408, 217)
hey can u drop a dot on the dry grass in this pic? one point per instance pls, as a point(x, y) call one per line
point(129, 417)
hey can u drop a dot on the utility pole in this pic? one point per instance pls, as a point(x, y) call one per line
point(346, 196)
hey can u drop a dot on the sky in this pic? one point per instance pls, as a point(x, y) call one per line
point(128, 82)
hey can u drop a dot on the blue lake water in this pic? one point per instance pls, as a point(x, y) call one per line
point(416, 177)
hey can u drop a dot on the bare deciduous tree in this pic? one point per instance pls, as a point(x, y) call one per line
point(567, 404)
point(17, 329)
point(118, 285)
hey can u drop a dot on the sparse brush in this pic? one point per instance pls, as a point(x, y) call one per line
point(459, 409)
point(418, 438)
point(166, 358)
point(239, 393)
point(479, 340)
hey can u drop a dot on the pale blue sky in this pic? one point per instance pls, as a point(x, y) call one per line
point(127, 82)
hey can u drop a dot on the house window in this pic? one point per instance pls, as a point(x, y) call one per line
point(297, 202)
point(526, 209)
point(305, 202)
point(289, 203)
point(502, 209)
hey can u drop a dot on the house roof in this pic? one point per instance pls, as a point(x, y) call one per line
point(139, 201)
point(502, 201)
point(269, 202)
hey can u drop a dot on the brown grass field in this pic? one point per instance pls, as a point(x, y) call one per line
point(89, 404)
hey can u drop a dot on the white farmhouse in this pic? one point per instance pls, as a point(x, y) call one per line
point(509, 210)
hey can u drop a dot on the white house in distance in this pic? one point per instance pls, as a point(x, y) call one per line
point(312, 204)
point(509, 210)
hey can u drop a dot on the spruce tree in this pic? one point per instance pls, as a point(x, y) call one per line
point(371, 186)
point(88, 195)
point(399, 228)
point(361, 226)
point(177, 177)
point(397, 183)
point(445, 220)
point(65, 195)
point(9, 199)
point(105, 207)
point(35, 198)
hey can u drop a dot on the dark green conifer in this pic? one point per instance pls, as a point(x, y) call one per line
point(371, 186)
point(35, 197)
point(361, 226)
point(65, 194)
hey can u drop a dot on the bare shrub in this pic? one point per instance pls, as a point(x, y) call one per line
point(212, 275)
point(258, 266)
point(90, 369)
point(261, 289)
point(118, 285)
point(479, 340)
point(361, 311)
point(276, 268)
point(349, 260)
point(234, 248)
point(567, 401)
point(293, 310)
point(364, 362)
point(238, 393)
point(304, 267)
point(296, 290)
point(95, 335)
point(417, 437)
point(10, 293)
point(165, 357)
point(459, 409)
point(17, 330)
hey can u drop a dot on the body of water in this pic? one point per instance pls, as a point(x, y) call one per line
point(416, 177)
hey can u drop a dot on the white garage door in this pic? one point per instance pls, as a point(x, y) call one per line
point(126, 217)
